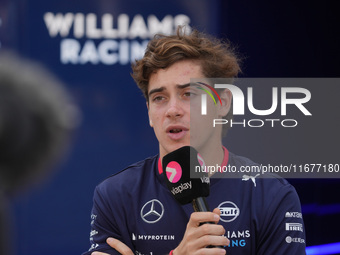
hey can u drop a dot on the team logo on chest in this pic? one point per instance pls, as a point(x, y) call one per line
point(229, 211)
point(152, 211)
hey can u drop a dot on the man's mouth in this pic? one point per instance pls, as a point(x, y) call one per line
point(176, 130)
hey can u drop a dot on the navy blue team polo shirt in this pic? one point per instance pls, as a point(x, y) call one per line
point(260, 215)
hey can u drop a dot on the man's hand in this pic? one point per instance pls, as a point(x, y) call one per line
point(197, 237)
point(117, 245)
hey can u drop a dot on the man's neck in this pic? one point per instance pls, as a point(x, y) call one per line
point(213, 157)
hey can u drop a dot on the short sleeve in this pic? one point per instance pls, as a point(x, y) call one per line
point(103, 225)
point(282, 230)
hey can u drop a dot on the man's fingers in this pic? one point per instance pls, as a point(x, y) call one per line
point(212, 229)
point(213, 251)
point(217, 211)
point(206, 241)
point(119, 246)
point(98, 253)
point(200, 217)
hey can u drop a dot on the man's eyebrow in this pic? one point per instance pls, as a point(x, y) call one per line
point(156, 90)
point(183, 86)
point(161, 89)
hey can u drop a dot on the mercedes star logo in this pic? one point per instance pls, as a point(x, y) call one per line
point(152, 211)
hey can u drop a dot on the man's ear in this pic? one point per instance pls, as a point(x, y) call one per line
point(150, 121)
point(226, 98)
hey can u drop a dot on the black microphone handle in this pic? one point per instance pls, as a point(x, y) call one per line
point(200, 205)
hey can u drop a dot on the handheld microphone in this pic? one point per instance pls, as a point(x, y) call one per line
point(177, 167)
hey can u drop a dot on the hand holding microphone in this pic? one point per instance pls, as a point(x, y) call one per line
point(206, 238)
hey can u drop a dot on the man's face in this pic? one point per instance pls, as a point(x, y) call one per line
point(170, 100)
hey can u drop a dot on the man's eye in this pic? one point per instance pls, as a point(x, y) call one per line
point(189, 94)
point(157, 98)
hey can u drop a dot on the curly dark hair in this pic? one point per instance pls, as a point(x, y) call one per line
point(218, 59)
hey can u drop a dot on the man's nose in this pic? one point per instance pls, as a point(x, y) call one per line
point(175, 108)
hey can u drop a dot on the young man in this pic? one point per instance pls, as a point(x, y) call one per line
point(135, 213)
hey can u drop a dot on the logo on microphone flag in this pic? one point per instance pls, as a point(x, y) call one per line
point(173, 171)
